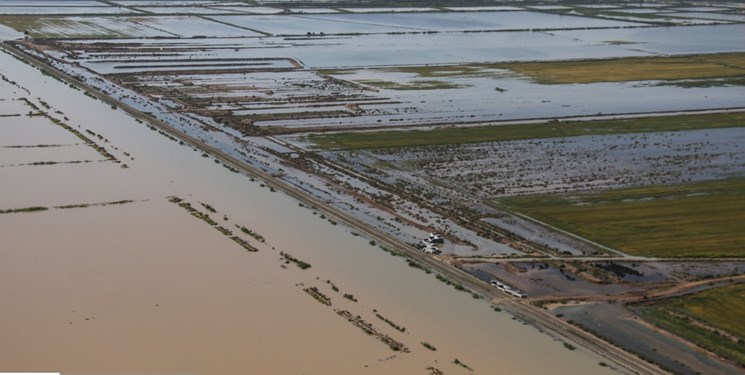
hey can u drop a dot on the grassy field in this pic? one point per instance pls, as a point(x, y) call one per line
point(718, 65)
point(705, 219)
point(633, 69)
point(718, 308)
point(477, 134)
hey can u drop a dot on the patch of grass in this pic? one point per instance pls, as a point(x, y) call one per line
point(711, 319)
point(633, 69)
point(687, 220)
point(705, 83)
point(478, 134)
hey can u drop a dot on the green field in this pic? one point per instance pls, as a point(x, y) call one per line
point(633, 69)
point(705, 219)
point(477, 134)
point(688, 316)
point(717, 65)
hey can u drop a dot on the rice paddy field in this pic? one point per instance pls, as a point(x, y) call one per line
point(688, 220)
point(634, 69)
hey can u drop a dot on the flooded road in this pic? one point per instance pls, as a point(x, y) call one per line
point(144, 286)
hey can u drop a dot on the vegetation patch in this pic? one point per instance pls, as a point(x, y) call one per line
point(244, 244)
point(428, 346)
point(102, 204)
point(461, 364)
point(711, 319)
point(551, 129)
point(25, 209)
point(318, 295)
point(251, 233)
point(704, 82)
point(370, 330)
point(633, 69)
point(290, 259)
point(390, 323)
point(688, 220)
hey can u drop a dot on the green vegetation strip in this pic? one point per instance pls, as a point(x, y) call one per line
point(26, 209)
point(717, 65)
point(391, 323)
point(633, 69)
point(102, 204)
point(478, 134)
point(711, 319)
point(289, 258)
point(689, 220)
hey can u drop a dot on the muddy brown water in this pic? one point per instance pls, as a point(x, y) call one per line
point(145, 287)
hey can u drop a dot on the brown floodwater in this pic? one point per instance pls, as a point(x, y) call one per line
point(144, 287)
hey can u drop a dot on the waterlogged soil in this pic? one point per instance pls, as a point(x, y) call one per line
point(531, 232)
point(105, 287)
point(495, 169)
point(544, 280)
point(623, 328)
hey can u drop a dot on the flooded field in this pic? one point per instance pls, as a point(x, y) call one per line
point(247, 81)
point(617, 324)
point(242, 173)
point(498, 169)
point(118, 260)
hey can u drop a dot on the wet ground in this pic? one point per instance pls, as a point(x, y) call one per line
point(619, 326)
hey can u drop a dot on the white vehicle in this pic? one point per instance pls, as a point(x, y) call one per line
point(431, 249)
point(507, 289)
point(498, 284)
point(518, 294)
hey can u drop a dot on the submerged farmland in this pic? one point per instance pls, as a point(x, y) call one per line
point(588, 156)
